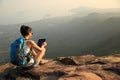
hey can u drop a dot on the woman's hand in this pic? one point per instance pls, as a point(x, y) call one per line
point(44, 44)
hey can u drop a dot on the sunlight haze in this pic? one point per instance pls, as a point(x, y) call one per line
point(18, 11)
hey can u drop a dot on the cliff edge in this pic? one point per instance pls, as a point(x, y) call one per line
point(85, 67)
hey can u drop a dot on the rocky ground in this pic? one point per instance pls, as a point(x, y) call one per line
point(86, 67)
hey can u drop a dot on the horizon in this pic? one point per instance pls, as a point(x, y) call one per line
point(14, 12)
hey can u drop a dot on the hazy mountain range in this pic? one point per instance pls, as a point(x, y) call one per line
point(96, 33)
point(83, 11)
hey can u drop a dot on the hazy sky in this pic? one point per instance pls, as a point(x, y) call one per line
point(17, 11)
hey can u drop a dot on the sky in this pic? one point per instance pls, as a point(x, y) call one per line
point(20, 11)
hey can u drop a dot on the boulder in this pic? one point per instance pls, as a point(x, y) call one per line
point(85, 67)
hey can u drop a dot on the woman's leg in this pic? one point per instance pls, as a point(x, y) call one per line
point(40, 55)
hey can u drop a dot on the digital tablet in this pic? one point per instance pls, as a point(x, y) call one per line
point(40, 41)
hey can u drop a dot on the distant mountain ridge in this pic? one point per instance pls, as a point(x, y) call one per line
point(69, 35)
point(83, 11)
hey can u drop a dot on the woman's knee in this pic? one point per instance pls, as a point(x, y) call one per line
point(43, 50)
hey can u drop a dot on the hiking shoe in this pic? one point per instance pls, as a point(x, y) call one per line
point(43, 61)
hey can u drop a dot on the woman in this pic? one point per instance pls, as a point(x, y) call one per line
point(26, 32)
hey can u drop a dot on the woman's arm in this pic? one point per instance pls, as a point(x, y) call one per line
point(33, 52)
point(35, 46)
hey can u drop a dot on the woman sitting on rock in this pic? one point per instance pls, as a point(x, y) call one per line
point(29, 48)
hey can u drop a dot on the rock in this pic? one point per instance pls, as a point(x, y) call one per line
point(107, 59)
point(81, 76)
point(86, 67)
point(76, 60)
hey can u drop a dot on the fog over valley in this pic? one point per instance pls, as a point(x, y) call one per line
point(96, 32)
point(20, 11)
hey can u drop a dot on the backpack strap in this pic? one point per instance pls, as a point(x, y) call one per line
point(21, 56)
point(25, 58)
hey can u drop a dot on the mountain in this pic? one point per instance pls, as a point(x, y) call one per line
point(109, 42)
point(111, 45)
point(68, 35)
point(84, 11)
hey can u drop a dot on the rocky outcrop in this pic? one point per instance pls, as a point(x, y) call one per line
point(86, 67)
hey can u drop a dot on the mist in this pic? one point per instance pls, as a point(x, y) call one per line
point(14, 11)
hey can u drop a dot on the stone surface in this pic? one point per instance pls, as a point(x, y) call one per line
point(86, 67)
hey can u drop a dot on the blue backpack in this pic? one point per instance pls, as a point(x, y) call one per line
point(17, 55)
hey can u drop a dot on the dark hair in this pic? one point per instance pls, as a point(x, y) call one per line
point(25, 30)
